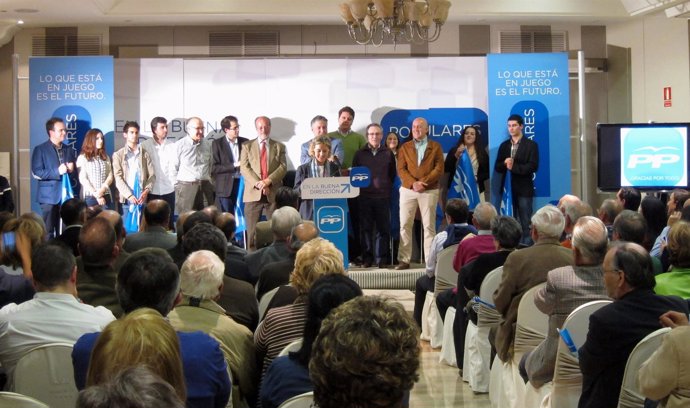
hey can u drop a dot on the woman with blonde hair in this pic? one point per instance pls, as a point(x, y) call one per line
point(285, 324)
point(19, 237)
point(142, 337)
point(317, 166)
point(95, 170)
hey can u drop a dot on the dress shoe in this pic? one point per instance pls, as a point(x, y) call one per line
point(383, 265)
point(402, 265)
point(366, 264)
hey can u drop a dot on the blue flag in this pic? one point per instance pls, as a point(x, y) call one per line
point(507, 196)
point(131, 222)
point(464, 184)
point(66, 192)
point(239, 209)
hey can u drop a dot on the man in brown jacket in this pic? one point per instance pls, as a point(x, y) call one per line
point(526, 268)
point(420, 166)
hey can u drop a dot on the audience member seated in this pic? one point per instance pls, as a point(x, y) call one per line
point(366, 355)
point(275, 274)
point(282, 222)
point(22, 234)
point(135, 387)
point(615, 329)
point(527, 268)
point(155, 232)
point(629, 198)
point(285, 197)
point(573, 212)
point(142, 337)
point(654, 212)
point(664, 376)
point(630, 226)
point(115, 221)
point(567, 288)
point(284, 324)
point(96, 274)
point(73, 215)
point(608, 211)
point(201, 283)
point(288, 376)
point(457, 214)
point(677, 280)
point(237, 297)
point(54, 315)
point(674, 205)
point(176, 252)
point(189, 220)
point(150, 279)
point(235, 266)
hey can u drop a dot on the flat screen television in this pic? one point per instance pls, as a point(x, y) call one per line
point(647, 156)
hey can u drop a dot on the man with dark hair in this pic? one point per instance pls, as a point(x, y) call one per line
point(235, 266)
point(237, 297)
point(351, 140)
point(154, 233)
point(150, 279)
point(96, 274)
point(49, 161)
point(319, 128)
point(225, 164)
point(631, 226)
point(185, 223)
point(629, 198)
point(54, 315)
point(520, 156)
point(132, 165)
point(73, 215)
point(615, 329)
point(163, 156)
point(607, 213)
point(374, 219)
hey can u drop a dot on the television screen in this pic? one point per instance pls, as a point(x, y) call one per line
point(647, 156)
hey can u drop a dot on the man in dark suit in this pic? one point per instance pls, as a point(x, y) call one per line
point(615, 329)
point(155, 234)
point(49, 161)
point(225, 164)
point(520, 156)
point(263, 165)
point(73, 215)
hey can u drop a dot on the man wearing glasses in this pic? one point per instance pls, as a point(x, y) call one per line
point(225, 158)
point(193, 189)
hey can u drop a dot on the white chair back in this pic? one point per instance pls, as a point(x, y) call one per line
point(446, 277)
point(447, 355)
point(490, 284)
point(630, 395)
point(480, 351)
point(14, 400)
point(532, 325)
point(46, 374)
point(294, 346)
point(265, 300)
point(305, 400)
point(577, 322)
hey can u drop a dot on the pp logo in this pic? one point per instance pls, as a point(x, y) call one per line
point(360, 177)
point(653, 157)
point(331, 219)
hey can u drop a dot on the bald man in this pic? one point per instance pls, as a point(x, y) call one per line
point(193, 188)
point(155, 233)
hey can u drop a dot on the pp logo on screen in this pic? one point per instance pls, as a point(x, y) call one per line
point(331, 219)
point(653, 157)
point(360, 177)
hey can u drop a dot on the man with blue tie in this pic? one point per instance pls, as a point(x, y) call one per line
point(225, 164)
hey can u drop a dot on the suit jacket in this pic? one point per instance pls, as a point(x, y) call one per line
point(523, 269)
point(223, 165)
point(121, 172)
point(251, 168)
point(235, 266)
point(277, 251)
point(566, 289)
point(239, 301)
point(666, 375)
point(44, 168)
point(274, 274)
point(429, 171)
point(152, 237)
point(96, 286)
point(525, 163)
point(70, 237)
point(614, 330)
point(473, 273)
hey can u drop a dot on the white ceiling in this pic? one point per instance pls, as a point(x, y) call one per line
point(60, 13)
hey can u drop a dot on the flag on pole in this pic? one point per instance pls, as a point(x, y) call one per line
point(67, 191)
point(239, 209)
point(131, 222)
point(464, 184)
point(507, 196)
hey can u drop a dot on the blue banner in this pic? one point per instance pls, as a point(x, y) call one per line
point(330, 217)
point(536, 87)
point(79, 90)
point(464, 184)
point(506, 204)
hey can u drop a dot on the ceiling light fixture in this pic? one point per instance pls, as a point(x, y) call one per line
point(373, 21)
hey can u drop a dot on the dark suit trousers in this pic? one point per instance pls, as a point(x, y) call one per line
point(227, 204)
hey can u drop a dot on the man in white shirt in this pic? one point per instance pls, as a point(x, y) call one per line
point(163, 155)
point(193, 169)
point(55, 314)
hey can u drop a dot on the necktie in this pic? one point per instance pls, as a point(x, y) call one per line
point(264, 161)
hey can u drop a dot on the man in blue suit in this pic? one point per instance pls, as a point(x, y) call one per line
point(49, 161)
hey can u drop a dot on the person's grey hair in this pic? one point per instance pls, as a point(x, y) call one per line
point(590, 239)
point(484, 213)
point(318, 118)
point(577, 210)
point(548, 222)
point(201, 275)
point(283, 220)
point(611, 208)
point(635, 262)
point(507, 231)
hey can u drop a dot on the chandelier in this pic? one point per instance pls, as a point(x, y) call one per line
point(373, 21)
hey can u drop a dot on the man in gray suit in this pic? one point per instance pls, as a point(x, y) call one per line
point(155, 233)
point(566, 289)
point(263, 165)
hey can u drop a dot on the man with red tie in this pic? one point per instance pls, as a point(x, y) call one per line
point(263, 165)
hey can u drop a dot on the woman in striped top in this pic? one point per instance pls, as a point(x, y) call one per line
point(95, 170)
